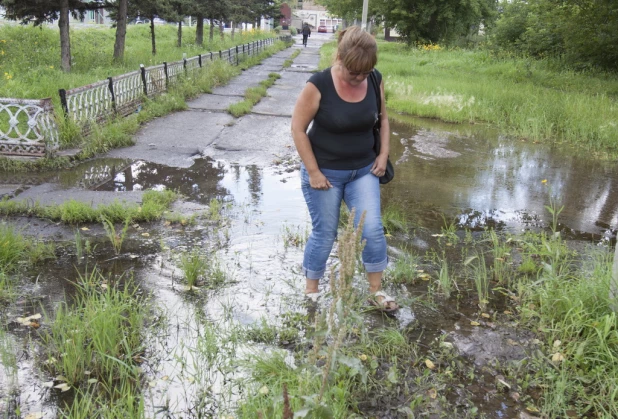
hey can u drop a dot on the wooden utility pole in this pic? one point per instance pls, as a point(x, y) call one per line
point(365, 9)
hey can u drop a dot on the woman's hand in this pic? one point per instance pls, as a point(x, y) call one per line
point(379, 165)
point(317, 180)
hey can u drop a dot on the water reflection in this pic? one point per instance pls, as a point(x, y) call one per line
point(268, 191)
point(476, 175)
point(200, 182)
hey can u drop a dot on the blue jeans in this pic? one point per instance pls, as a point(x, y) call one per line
point(359, 189)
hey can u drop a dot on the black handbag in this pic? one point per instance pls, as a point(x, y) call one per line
point(389, 173)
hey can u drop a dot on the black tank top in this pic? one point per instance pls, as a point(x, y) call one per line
point(342, 132)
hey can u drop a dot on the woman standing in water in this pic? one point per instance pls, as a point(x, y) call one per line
point(339, 163)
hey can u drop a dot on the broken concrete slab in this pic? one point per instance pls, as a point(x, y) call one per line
point(254, 139)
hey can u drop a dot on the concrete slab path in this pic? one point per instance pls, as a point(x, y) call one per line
point(206, 129)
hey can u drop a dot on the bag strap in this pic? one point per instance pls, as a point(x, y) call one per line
point(376, 87)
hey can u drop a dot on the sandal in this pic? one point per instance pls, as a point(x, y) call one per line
point(312, 297)
point(383, 305)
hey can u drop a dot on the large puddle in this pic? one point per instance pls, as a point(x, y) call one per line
point(464, 174)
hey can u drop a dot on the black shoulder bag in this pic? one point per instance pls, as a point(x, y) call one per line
point(389, 173)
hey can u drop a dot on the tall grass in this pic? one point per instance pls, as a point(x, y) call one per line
point(573, 311)
point(194, 265)
point(525, 98)
point(37, 50)
point(6, 286)
point(116, 237)
point(480, 278)
point(95, 339)
point(12, 248)
point(394, 219)
point(15, 249)
point(8, 357)
point(404, 269)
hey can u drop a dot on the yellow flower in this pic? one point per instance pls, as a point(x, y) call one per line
point(363, 357)
point(7, 76)
point(544, 181)
point(430, 47)
point(51, 66)
point(1, 52)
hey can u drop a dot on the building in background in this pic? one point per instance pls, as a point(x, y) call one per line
point(315, 15)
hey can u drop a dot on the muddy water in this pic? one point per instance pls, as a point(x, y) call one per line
point(469, 174)
point(480, 178)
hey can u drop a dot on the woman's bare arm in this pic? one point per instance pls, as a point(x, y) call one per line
point(306, 107)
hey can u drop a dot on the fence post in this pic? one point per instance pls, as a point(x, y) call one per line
point(63, 102)
point(220, 55)
point(166, 75)
point(210, 55)
point(184, 65)
point(142, 69)
point(199, 60)
point(110, 85)
point(236, 54)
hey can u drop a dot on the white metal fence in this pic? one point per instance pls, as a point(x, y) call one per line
point(27, 127)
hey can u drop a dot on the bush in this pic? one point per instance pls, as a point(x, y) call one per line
point(293, 30)
point(583, 35)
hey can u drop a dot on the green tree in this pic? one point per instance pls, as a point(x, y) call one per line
point(264, 8)
point(240, 12)
point(583, 33)
point(176, 12)
point(421, 20)
point(435, 20)
point(149, 9)
point(213, 10)
point(346, 9)
point(121, 29)
point(39, 12)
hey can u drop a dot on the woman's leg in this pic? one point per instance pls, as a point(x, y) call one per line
point(363, 194)
point(324, 211)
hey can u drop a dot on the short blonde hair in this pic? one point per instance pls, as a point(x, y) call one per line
point(357, 50)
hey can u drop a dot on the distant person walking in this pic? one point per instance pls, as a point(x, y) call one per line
point(306, 33)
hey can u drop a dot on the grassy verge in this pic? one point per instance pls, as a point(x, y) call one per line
point(154, 204)
point(526, 98)
point(92, 48)
point(253, 95)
